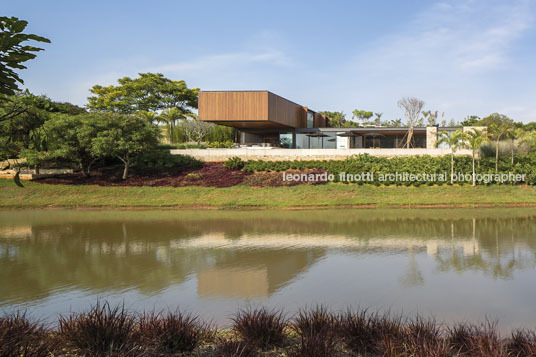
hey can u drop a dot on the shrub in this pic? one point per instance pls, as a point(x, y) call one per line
point(366, 333)
point(479, 340)
point(172, 333)
point(156, 160)
point(522, 343)
point(234, 163)
point(190, 146)
point(381, 167)
point(260, 327)
point(102, 330)
point(317, 329)
point(221, 144)
point(22, 337)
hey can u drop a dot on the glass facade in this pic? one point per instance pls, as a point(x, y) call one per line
point(285, 140)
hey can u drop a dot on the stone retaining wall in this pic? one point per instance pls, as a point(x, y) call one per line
point(31, 174)
point(277, 154)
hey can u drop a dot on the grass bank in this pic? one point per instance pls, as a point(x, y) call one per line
point(39, 195)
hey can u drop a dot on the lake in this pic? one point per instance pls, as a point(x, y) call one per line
point(452, 264)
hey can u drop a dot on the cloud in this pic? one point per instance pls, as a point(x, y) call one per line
point(452, 54)
point(226, 61)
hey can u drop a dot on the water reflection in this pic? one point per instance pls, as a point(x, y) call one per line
point(251, 255)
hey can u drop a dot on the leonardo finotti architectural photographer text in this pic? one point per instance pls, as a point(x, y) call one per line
point(404, 177)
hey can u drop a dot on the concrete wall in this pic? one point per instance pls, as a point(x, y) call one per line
point(277, 154)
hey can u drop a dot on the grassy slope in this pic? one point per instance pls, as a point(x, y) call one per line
point(43, 195)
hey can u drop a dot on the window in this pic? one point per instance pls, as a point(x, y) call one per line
point(285, 140)
point(310, 119)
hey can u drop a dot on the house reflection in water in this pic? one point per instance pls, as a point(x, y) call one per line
point(248, 255)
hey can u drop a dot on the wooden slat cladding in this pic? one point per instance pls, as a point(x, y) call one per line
point(233, 106)
point(283, 111)
point(320, 121)
point(243, 109)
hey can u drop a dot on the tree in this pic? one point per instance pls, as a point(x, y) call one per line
point(430, 117)
point(123, 137)
point(470, 120)
point(70, 138)
point(378, 119)
point(515, 134)
point(454, 140)
point(21, 117)
point(498, 130)
point(149, 92)
point(13, 52)
point(336, 119)
point(412, 109)
point(170, 117)
point(196, 130)
point(474, 139)
point(362, 115)
point(495, 119)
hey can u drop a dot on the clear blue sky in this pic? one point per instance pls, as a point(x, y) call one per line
point(460, 57)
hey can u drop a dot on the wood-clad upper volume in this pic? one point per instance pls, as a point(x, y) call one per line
point(252, 109)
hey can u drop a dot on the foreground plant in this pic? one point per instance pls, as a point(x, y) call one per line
point(172, 332)
point(317, 329)
point(260, 327)
point(102, 331)
point(21, 337)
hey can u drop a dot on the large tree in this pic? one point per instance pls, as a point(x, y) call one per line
point(14, 52)
point(124, 137)
point(336, 119)
point(150, 92)
point(362, 115)
point(70, 138)
point(412, 108)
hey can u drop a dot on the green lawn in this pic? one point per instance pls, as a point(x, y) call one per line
point(330, 195)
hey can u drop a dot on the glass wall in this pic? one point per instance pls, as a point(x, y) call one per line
point(285, 140)
point(306, 141)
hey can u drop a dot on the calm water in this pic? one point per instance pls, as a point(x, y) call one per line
point(453, 264)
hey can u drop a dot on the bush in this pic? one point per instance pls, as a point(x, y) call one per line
point(22, 337)
point(156, 160)
point(260, 327)
point(190, 146)
point(172, 333)
point(317, 329)
point(221, 145)
point(234, 163)
point(383, 167)
point(101, 331)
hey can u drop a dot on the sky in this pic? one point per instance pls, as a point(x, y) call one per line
point(472, 57)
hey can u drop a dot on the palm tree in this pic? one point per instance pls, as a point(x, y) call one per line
point(170, 117)
point(150, 117)
point(498, 131)
point(474, 139)
point(454, 140)
point(517, 133)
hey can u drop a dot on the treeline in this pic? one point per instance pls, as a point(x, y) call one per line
point(121, 123)
point(37, 132)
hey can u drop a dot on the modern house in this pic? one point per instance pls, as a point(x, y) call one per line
point(264, 119)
